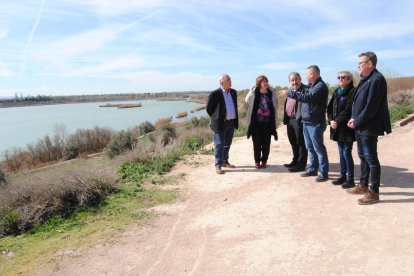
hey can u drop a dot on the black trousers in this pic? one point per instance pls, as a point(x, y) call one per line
point(261, 137)
point(296, 140)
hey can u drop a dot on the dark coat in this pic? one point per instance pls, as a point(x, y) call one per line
point(340, 111)
point(253, 120)
point(370, 107)
point(314, 102)
point(303, 88)
point(216, 109)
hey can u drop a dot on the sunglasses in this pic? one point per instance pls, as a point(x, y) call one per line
point(342, 77)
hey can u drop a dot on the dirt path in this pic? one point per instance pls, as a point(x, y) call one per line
point(271, 222)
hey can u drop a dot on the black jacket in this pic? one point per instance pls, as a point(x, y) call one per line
point(216, 109)
point(253, 120)
point(370, 107)
point(340, 111)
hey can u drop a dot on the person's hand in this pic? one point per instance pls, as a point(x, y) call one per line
point(351, 124)
point(283, 92)
point(333, 124)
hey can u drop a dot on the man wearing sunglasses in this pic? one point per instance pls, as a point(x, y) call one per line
point(370, 119)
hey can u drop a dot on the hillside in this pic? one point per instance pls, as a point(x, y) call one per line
point(269, 221)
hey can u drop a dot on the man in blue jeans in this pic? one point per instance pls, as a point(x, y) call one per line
point(370, 119)
point(314, 103)
point(222, 109)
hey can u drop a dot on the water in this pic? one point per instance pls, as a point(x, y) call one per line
point(20, 126)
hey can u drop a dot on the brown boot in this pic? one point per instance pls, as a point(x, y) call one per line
point(368, 198)
point(358, 190)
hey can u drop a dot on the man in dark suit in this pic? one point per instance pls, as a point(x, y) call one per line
point(222, 109)
point(370, 119)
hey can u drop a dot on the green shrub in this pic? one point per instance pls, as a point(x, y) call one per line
point(131, 171)
point(9, 222)
point(70, 152)
point(398, 112)
point(120, 143)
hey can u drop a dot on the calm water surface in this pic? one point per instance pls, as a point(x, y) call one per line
point(20, 126)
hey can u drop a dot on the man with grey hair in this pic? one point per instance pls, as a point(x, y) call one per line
point(314, 102)
point(222, 109)
point(370, 118)
point(292, 118)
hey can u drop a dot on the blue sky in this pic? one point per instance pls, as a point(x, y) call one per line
point(104, 46)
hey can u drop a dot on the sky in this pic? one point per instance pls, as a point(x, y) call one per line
point(72, 47)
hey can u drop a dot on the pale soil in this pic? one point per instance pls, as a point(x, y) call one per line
point(270, 221)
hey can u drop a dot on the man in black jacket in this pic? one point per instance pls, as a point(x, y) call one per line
point(292, 118)
point(222, 109)
point(370, 119)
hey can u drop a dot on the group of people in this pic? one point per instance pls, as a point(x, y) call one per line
point(354, 114)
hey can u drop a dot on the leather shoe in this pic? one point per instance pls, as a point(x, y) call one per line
point(369, 198)
point(264, 165)
point(358, 190)
point(321, 178)
point(258, 166)
point(308, 173)
point(296, 169)
point(219, 170)
point(290, 165)
point(228, 165)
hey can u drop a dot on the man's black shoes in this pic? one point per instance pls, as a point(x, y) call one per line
point(296, 169)
point(290, 165)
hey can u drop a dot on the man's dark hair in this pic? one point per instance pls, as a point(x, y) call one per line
point(314, 68)
point(371, 56)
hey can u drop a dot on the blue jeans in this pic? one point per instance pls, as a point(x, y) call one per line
point(367, 152)
point(346, 162)
point(222, 143)
point(318, 157)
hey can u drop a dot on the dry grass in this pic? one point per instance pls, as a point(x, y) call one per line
point(181, 115)
point(162, 122)
point(200, 108)
point(37, 196)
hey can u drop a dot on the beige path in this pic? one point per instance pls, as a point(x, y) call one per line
point(271, 222)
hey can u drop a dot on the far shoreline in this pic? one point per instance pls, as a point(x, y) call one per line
point(196, 97)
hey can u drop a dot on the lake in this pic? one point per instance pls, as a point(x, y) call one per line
point(25, 125)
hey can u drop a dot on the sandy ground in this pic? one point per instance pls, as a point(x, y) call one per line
point(270, 221)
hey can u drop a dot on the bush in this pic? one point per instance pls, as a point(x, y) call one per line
point(32, 199)
point(144, 128)
point(200, 122)
point(2, 177)
point(168, 134)
point(121, 142)
point(8, 222)
point(91, 140)
point(70, 152)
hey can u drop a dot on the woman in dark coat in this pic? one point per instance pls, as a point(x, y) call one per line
point(261, 119)
point(339, 112)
